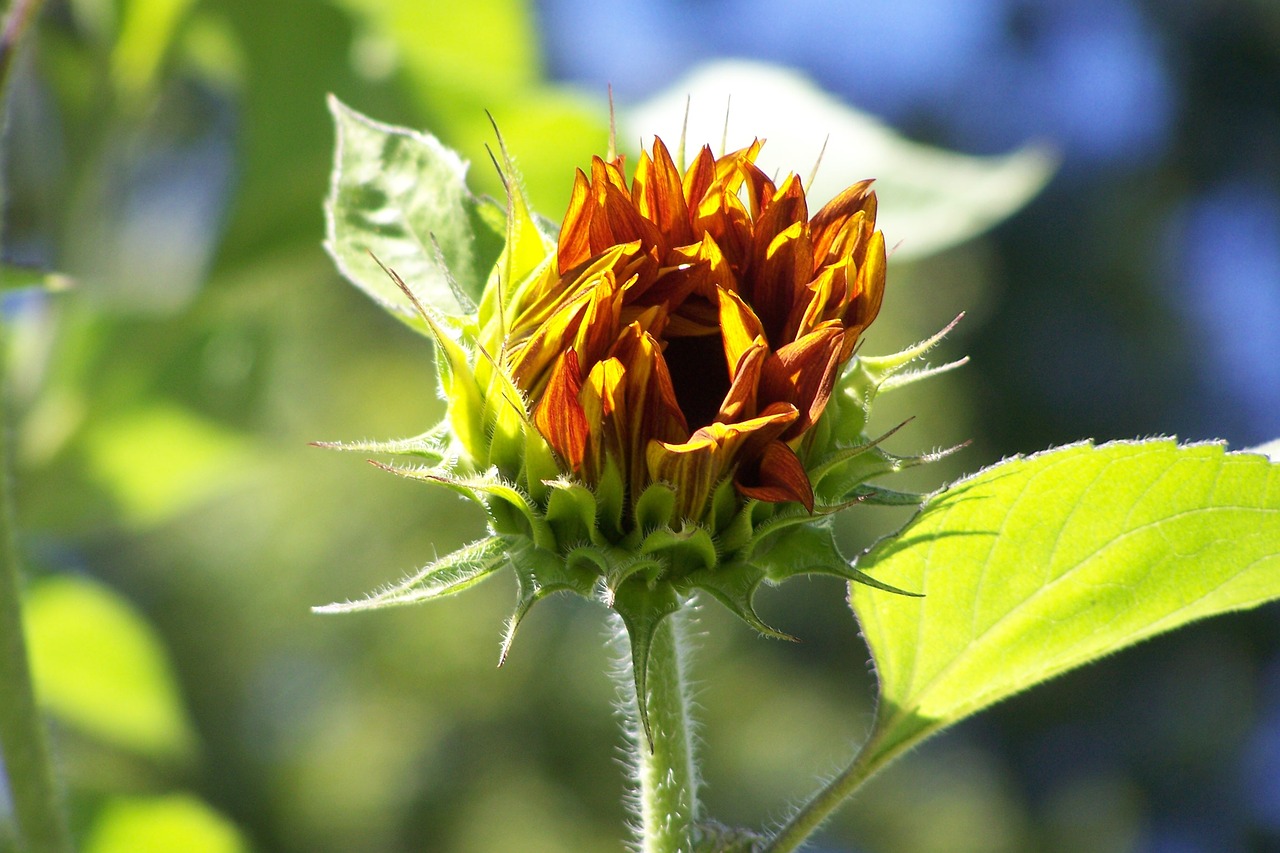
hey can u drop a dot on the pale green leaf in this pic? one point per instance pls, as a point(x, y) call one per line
point(1041, 564)
point(100, 668)
point(162, 825)
point(400, 197)
point(930, 198)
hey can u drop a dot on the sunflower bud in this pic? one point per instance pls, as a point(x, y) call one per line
point(664, 398)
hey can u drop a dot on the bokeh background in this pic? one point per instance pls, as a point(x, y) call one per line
point(170, 156)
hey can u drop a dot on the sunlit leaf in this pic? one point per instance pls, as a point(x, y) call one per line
point(1041, 564)
point(400, 197)
point(100, 668)
point(162, 825)
point(929, 198)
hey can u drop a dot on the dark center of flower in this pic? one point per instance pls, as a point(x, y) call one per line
point(699, 376)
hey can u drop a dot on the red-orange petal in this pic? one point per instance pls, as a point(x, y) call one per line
point(572, 248)
point(777, 475)
point(659, 195)
point(559, 416)
point(830, 220)
point(803, 372)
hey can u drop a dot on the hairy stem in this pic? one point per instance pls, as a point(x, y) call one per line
point(666, 778)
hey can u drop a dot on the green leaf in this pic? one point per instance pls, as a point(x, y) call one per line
point(1038, 565)
point(400, 197)
point(930, 198)
point(99, 667)
point(448, 575)
point(162, 824)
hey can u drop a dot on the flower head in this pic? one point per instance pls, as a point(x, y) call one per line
point(692, 326)
point(664, 397)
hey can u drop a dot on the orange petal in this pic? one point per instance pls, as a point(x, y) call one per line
point(826, 300)
point(780, 271)
point(604, 409)
point(740, 328)
point(652, 412)
point(803, 372)
point(777, 475)
point(572, 249)
point(694, 467)
point(740, 401)
point(559, 416)
point(598, 327)
point(698, 178)
point(829, 221)
point(689, 468)
point(865, 304)
point(659, 196)
point(624, 223)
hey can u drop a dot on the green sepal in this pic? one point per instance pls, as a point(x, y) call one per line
point(642, 607)
point(448, 575)
point(878, 368)
point(458, 383)
point(686, 550)
point(722, 506)
point(655, 508)
point(734, 585)
point(527, 250)
point(880, 496)
point(459, 388)
point(431, 446)
point(593, 558)
point(540, 573)
point(539, 467)
point(610, 500)
point(485, 490)
point(737, 532)
point(867, 376)
point(636, 568)
point(571, 511)
point(812, 550)
point(840, 476)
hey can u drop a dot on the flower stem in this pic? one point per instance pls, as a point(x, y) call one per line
point(666, 778)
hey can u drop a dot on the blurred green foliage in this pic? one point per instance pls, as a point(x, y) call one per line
point(171, 158)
